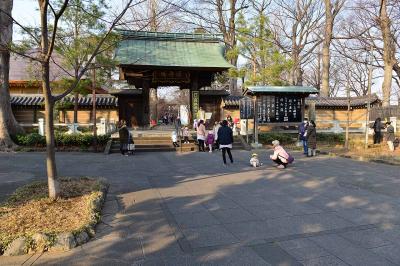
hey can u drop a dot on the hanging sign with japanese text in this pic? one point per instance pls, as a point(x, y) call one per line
point(195, 103)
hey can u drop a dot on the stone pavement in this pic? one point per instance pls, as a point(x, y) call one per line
point(187, 209)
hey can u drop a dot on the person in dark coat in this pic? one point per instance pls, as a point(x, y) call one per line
point(123, 137)
point(390, 137)
point(302, 132)
point(311, 138)
point(225, 140)
point(378, 130)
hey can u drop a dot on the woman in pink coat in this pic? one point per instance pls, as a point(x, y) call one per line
point(280, 156)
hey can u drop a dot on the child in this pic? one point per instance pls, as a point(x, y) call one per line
point(185, 134)
point(195, 124)
point(174, 138)
point(254, 161)
point(210, 140)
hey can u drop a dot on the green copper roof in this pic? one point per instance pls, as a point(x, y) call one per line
point(171, 50)
point(282, 89)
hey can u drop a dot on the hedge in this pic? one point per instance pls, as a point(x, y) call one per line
point(61, 139)
point(291, 138)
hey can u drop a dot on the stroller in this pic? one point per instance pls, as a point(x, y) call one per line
point(127, 145)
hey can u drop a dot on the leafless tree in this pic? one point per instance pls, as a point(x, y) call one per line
point(331, 11)
point(297, 26)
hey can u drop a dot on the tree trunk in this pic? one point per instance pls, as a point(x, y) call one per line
point(326, 60)
point(53, 184)
point(8, 124)
point(76, 95)
point(388, 53)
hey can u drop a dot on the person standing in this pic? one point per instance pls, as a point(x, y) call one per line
point(225, 139)
point(178, 125)
point(302, 135)
point(210, 140)
point(311, 138)
point(217, 126)
point(390, 138)
point(201, 134)
point(378, 130)
point(229, 120)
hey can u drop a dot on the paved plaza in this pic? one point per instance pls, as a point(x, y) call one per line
point(188, 209)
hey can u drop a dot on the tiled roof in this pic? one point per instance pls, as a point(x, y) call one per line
point(37, 100)
point(214, 92)
point(342, 101)
point(22, 68)
point(232, 101)
point(282, 89)
point(322, 102)
point(171, 50)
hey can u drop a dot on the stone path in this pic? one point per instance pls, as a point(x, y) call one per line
point(171, 209)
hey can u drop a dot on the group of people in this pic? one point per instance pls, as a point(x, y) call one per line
point(308, 137)
point(220, 137)
point(168, 118)
point(390, 137)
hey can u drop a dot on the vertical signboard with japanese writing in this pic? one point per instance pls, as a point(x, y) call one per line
point(195, 103)
point(279, 108)
point(246, 108)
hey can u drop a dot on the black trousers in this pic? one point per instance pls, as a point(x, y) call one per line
point(278, 161)
point(224, 151)
point(201, 144)
point(377, 137)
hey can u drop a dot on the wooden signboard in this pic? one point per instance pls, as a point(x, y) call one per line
point(279, 109)
point(246, 107)
point(195, 103)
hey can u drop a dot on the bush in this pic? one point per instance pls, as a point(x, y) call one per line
point(61, 139)
point(284, 138)
point(331, 138)
point(32, 139)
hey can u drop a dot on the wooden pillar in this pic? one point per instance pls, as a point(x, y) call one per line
point(255, 121)
point(146, 103)
point(153, 104)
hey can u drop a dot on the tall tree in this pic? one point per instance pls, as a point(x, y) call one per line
point(220, 16)
point(331, 11)
point(296, 27)
point(79, 27)
point(8, 124)
point(265, 64)
point(389, 50)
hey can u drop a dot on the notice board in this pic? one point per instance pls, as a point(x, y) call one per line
point(279, 108)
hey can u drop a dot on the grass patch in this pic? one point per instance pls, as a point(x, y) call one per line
point(29, 210)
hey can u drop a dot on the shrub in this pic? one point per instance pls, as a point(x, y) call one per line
point(284, 138)
point(331, 138)
point(61, 139)
point(32, 139)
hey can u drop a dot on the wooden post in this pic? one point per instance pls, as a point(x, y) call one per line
point(346, 144)
point(94, 109)
point(368, 104)
point(146, 102)
point(255, 121)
